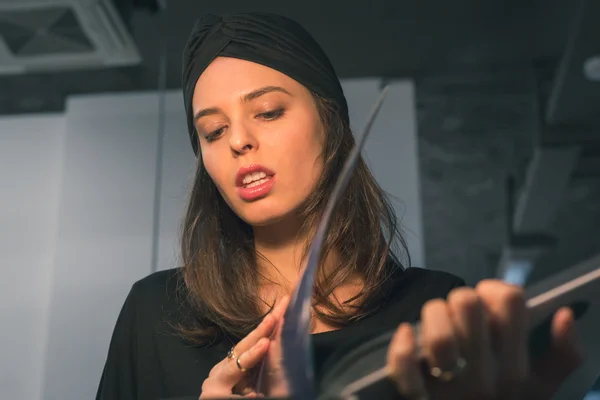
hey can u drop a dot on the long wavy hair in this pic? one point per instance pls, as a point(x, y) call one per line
point(220, 277)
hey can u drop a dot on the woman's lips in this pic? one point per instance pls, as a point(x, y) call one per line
point(250, 169)
point(257, 189)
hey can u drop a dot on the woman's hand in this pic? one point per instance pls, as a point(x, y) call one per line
point(229, 378)
point(475, 343)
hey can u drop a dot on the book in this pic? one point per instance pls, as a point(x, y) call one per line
point(362, 374)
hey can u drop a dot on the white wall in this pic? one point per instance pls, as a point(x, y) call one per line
point(31, 153)
point(178, 169)
point(391, 151)
point(100, 162)
point(104, 238)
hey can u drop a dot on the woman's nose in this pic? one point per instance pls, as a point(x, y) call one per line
point(241, 140)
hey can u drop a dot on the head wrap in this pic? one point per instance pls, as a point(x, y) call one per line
point(271, 40)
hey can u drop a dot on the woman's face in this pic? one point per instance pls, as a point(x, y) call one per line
point(260, 138)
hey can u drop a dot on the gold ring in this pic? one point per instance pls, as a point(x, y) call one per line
point(237, 361)
point(447, 376)
point(231, 353)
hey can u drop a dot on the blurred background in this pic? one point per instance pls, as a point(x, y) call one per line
point(489, 144)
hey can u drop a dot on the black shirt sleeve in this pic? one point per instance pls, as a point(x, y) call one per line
point(118, 381)
point(147, 359)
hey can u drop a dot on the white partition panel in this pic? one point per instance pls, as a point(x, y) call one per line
point(31, 150)
point(177, 172)
point(391, 151)
point(104, 233)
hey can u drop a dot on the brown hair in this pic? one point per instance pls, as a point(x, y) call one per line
point(220, 276)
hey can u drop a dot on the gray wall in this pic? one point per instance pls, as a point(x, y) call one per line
point(392, 153)
point(104, 237)
point(31, 154)
point(77, 218)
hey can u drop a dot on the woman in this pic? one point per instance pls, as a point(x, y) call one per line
point(269, 123)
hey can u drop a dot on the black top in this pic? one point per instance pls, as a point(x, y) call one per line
point(146, 360)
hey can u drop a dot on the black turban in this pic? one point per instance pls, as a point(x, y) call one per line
point(271, 40)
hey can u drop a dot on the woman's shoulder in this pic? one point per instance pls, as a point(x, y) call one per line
point(158, 282)
point(432, 278)
point(415, 278)
point(157, 294)
point(146, 343)
point(421, 285)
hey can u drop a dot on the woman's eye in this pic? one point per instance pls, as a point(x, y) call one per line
point(214, 135)
point(271, 115)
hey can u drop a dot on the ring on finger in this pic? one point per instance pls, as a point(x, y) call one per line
point(449, 375)
point(231, 354)
point(237, 362)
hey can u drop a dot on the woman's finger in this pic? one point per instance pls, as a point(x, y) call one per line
point(250, 392)
point(565, 348)
point(439, 341)
point(507, 314)
point(246, 355)
point(403, 363)
point(564, 355)
point(277, 382)
point(280, 308)
point(564, 338)
point(253, 395)
point(472, 331)
point(562, 359)
point(264, 329)
point(235, 369)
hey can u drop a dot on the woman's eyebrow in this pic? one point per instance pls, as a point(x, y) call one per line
point(205, 112)
point(262, 91)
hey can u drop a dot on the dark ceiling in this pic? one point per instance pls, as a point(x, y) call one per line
point(376, 38)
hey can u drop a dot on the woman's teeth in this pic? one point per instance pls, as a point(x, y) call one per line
point(256, 183)
point(254, 178)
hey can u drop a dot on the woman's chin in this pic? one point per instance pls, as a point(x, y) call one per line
point(266, 216)
point(268, 211)
point(261, 220)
